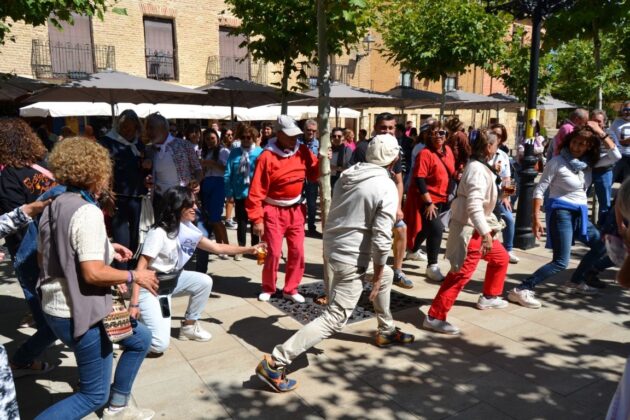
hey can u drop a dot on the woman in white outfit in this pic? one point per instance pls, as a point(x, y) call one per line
point(168, 246)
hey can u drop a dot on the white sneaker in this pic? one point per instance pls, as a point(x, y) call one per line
point(223, 257)
point(264, 297)
point(524, 298)
point(496, 302)
point(297, 298)
point(194, 332)
point(238, 257)
point(433, 273)
point(583, 288)
point(440, 326)
point(416, 256)
point(129, 413)
point(513, 258)
point(231, 224)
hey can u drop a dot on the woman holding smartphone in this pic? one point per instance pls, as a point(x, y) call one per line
point(167, 247)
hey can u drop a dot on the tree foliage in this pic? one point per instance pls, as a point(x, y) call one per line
point(37, 12)
point(514, 67)
point(434, 38)
point(576, 79)
point(285, 31)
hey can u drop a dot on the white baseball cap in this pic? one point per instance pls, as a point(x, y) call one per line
point(382, 150)
point(288, 126)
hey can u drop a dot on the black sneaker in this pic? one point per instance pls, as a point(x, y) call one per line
point(593, 280)
point(401, 280)
point(313, 233)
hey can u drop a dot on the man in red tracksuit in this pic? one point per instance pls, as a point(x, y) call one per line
point(275, 205)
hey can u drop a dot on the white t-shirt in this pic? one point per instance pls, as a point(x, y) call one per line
point(165, 172)
point(161, 249)
point(224, 154)
point(502, 158)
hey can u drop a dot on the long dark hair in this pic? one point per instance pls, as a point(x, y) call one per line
point(204, 146)
point(175, 200)
point(591, 157)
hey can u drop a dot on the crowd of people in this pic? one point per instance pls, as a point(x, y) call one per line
point(124, 214)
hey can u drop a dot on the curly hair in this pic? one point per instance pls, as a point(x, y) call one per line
point(19, 145)
point(591, 157)
point(82, 163)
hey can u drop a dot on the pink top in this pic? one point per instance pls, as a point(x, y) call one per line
point(351, 145)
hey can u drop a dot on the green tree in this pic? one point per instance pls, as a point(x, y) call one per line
point(591, 20)
point(577, 78)
point(283, 31)
point(37, 12)
point(514, 67)
point(434, 38)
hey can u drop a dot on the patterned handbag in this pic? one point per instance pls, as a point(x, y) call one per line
point(118, 323)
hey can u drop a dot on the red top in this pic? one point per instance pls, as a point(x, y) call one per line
point(429, 167)
point(279, 178)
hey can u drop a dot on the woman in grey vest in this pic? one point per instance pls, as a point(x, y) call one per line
point(76, 285)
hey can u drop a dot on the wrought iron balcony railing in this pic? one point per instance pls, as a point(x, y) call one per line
point(73, 61)
point(248, 69)
point(161, 65)
point(338, 73)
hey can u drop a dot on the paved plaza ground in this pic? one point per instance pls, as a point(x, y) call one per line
point(562, 361)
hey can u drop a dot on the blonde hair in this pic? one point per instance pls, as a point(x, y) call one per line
point(82, 163)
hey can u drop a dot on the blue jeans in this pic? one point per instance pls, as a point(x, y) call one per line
point(93, 352)
point(561, 229)
point(311, 203)
point(35, 345)
point(508, 232)
point(603, 190)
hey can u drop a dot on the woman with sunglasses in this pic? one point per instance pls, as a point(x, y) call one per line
point(567, 177)
point(471, 237)
point(620, 132)
point(167, 247)
point(428, 196)
point(341, 154)
point(239, 171)
point(230, 143)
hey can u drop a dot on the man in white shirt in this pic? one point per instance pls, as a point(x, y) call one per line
point(620, 132)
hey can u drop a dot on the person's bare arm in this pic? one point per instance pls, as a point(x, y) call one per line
point(216, 248)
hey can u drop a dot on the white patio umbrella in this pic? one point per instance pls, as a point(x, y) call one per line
point(91, 109)
point(297, 112)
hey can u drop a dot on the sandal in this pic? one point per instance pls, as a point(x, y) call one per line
point(36, 367)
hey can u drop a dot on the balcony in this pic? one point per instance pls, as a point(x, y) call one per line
point(248, 69)
point(338, 73)
point(161, 65)
point(70, 61)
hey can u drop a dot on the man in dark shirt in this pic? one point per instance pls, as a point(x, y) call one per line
point(127, 153)
point(385, 123)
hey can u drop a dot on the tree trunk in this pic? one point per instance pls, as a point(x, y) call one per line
point(323, 80)
point(443, 101)
point(597, 48)
point(286, 73)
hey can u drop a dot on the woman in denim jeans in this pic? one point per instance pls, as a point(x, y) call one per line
point(76, 285)
point(567, 176)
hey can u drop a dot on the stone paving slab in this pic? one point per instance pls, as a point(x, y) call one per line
point(562, 361)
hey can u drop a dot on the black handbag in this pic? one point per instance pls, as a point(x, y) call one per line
point(167, 282)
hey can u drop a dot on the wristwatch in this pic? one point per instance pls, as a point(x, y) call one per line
point(604, 136)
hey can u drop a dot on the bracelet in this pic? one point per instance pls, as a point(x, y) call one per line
point(131, 305)
point(129, 277)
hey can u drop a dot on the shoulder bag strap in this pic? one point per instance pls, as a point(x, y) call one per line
point(43, 171)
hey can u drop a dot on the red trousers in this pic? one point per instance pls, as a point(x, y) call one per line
point(280, 223)
point(498, 261)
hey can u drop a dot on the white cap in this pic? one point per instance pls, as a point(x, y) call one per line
point(382, 150)
point(288, 126)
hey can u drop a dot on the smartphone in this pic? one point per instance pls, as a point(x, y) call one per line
point(165, 307)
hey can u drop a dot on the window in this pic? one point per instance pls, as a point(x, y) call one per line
point(406, 79)
point(160, 51)
point(71, 49)
point(231, 54)
point(450, 82)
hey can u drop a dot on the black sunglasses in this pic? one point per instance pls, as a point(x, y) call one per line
point(439, 133)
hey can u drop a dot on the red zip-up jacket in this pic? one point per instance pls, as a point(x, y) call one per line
point(279, 178)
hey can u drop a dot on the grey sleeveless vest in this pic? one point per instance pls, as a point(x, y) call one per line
point(89, 304)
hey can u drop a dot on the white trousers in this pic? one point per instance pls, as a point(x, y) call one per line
point(197, 285)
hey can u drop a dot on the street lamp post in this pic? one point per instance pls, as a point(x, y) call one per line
point(537, 10)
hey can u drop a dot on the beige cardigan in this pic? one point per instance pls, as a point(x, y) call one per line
point(471, 210)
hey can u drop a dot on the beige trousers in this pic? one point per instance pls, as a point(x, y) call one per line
point(344, 288)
